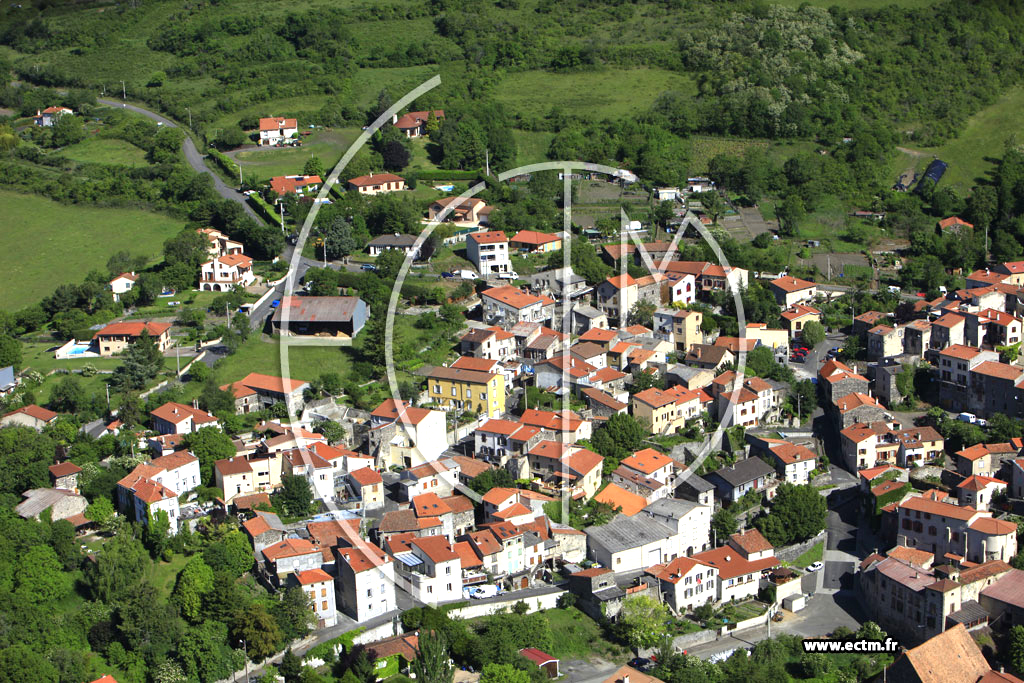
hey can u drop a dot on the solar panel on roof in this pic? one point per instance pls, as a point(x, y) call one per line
point(408, 559)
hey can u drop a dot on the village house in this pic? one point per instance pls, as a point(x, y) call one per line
point(141, 497)
point(277, 130)
point(789, 291)
point(665, 411)
point(508, 305)
point(49, 116)
point(65, 476)
point(226, 272)
point(264, 529)
point(488, 251)
point(318, 586)
point(685, 583)
point(397, 241)
point(884, 342)
point(466, 213)
point(427, 568)
point(121, 284)
point(565, 468)
point(985, 459)
point(365, 581)
point(533, 242)
point(681, 328)
point(298, 185)
point(460, 389)
point(256, 391)
point(405, 436)
point(376, 183)
point(31, 416)
point(414, 123)
point(740, 564)
point(733, 481)
point(942, 527)
point(795, 317)
point(708, 356)
point(61, 503)
point(115, 337)
point(219, 243)
point(977, 491)
point(177, 418)
point(492, 343)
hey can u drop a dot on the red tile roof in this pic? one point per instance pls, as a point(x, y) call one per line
point(313, 576)
point(376, 179)
point(647, 461)
point(132, 329)
point(489, 237)
point(534, 237)
point(618, 497)
point(64, 469)
point(277, 123)
point(289, 547)
point(366, 477)
point(511, 296)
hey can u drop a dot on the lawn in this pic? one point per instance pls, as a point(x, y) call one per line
point(163, 574)
point(972, 155)
point(578, 636)
point(592, 94)
point(813, 554)
point(531, 146)
point(45, 244)
point(267, 162)
point(105, 151)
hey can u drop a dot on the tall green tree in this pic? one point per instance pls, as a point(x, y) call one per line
point(142, 362)
point(257, 628)
point(195, 580)
point(209, 445)
point(642, 621)
point(433, 665)
point(295, 495)
point(813, 333)
point(797, 513)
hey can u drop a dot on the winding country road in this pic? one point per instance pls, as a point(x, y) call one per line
point(192, 156)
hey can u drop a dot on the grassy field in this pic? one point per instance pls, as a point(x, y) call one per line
point(531, 146)
point(45, 244)
point(267, 162)
point(813, 554)
point(592, 94)
point(106, 151)
point(972, 156)
point(162, 575)
point(577, 635)
point(38, 356)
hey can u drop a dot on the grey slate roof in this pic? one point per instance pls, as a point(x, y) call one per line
point(673, 508)
point(624, 533)
point(745, 471)
point(7, 380)
point(696, 484)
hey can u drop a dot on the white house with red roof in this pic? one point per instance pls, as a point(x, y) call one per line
point(220, 244)
point(298, 185)
point(225, 272)
point(124, 282)
point(977, 491)
point(319, 472)
point(48, 117)
point(414, 124)
point(488, 251)
point(318, 586)
point(930, 523)
point(376, 183)
point(291, 556)
point(365, 581)
point(178, 418)
point(651, 463)
point(492, 343)
point(370, 487)
point(32, 416)
point(428, 568)
point(178, 471)
point(277, 130)
point(508, 305)
point(141, 496)
point(686, 583)
point(740, 563)
point(404, 435)
point(789, 290)
point(533, 242)
point(571, 426)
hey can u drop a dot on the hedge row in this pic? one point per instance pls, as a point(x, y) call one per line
point(224, 161)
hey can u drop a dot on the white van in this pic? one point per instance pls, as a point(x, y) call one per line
point(485, 591)
point(969, 418)
point(510, 275)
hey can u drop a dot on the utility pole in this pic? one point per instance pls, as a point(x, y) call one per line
point(280, 205)
point(177, 359)
point(124, 93)
point(487, 162)
point(189, 117)
point(108, 397)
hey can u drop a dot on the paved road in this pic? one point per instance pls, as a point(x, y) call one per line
point(192, 156)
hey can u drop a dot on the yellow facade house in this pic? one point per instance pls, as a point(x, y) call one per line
point(460, 389)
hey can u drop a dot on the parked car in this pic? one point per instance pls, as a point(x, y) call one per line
point(797, 359)
point(815, 566)
point(275, 303)
point(641, 664)
point(368, 266)
point(447, 275)
point(981, 422)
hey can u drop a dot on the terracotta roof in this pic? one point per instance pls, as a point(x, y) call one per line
point(404, 412)
point(132, 329)
point(291, 184)
point(954, 221)
point(960, 352)
point(436, 548)
point(791, 284)
point(798, 311)
point(534, 237)
point(512, 511)
point(175, 413)
point(921, 558)
point(376, 179)
point(674, 571)
point(751, 541)
point(657, 397)
point(235, 465)
point(366, 477)
point(457, 503)
point(326, 535)
point(406, 645)
point(935, 507)
point(415, 119)
point(598, 334)
point(647, 461)
point(593, 571)
point(620, 281)
point(949, 657)
point(429, 505)
point(499, 495)
point(976, 482)
point(998, 370)
point(173, 461)
point(856, 400)
point(618, 497)
point(467, 556)
point(255, 381)
point(485, 542)
point(276, 123)
point(993, 527)
point(511, 296)
point(256, 526)
point(313, 576)
point(289, 547)
point(730, 563)
point(629, 674)
point(64, 469)
point(886, 487)
point(603, 398)
point(362, 557)
point(489, 237)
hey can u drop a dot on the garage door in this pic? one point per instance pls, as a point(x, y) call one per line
point(653, 556)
